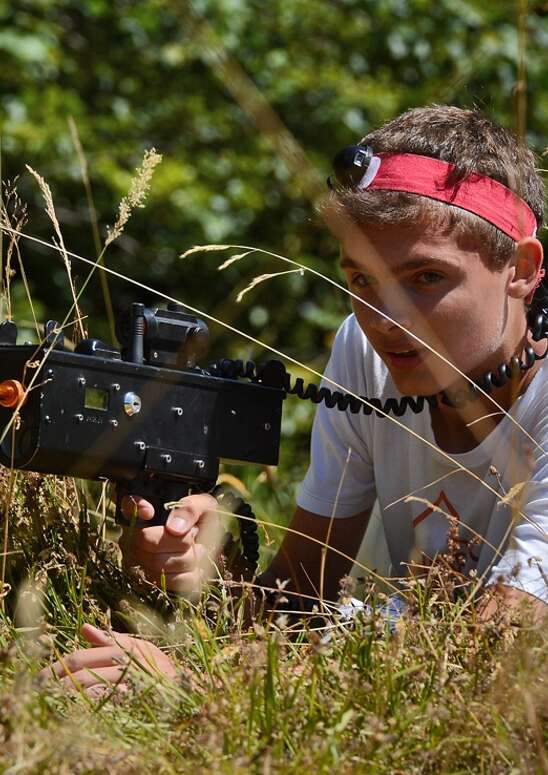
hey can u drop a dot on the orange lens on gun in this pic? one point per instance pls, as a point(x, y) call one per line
point(12, 393)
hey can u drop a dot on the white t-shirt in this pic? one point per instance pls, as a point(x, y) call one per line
point(357, 459)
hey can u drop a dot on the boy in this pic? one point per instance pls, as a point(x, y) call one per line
point(436, 215)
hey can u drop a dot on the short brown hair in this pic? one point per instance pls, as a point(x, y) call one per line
point(471, 142)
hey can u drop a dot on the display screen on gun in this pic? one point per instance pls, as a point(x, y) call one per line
point(95, 398)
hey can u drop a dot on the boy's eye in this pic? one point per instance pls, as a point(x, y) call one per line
point(425, 279)
point(362, 281)
point(429, 278)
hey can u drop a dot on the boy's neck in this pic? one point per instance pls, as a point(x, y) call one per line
point(461, 429)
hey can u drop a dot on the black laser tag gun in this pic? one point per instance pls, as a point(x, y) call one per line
point(144, 416)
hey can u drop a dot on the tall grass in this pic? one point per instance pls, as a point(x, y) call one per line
point(445, 693)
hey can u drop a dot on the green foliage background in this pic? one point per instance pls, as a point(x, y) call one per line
point(141, 74)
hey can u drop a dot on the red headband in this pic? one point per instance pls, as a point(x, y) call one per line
point(477, 194)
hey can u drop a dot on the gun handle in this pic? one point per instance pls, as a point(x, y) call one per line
point(155, 491)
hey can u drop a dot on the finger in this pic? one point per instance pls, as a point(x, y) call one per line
point(135, 507)
point(211, 532)
point(95, 636)
point(102, 656)
point(112, 637)
point(99, 691)
point(156, 540)
point(188, 511)
point(169, 562)
point(125, 649)
point(86, 678)
point(189, 583)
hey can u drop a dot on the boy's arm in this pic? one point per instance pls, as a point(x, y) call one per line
point(300, 560)
point(515, 600)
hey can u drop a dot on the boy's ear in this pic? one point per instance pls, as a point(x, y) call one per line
point(527, 264)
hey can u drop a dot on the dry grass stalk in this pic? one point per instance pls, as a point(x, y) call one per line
point(263, 277)
point(27, 287)
point(233, 260)
point(514, 495)
point(93, 218)
point(50, 211)
point(330, 526)
point(136, 196)
point(12, 213)
point(204, 249)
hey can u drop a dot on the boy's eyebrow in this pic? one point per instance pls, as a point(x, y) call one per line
point(414, 263)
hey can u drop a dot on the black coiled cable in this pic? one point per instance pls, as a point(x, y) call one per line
point(331, 398)
point(246, 563)
point(537, 320)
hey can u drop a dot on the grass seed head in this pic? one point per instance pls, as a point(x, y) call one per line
point(136, 196)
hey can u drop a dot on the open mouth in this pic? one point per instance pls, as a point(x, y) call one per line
point(404, 358)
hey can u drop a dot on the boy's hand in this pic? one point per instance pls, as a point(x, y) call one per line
point(105, 666)
point(182, 550)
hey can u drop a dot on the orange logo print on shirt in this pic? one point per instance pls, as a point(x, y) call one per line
point(443, 503)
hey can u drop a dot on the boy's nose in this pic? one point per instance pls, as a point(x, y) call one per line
point(379, 320)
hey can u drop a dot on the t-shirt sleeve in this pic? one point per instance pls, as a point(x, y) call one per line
point(340, 479)
point(524, 562)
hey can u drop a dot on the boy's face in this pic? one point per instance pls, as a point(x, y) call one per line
point(442, 292)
